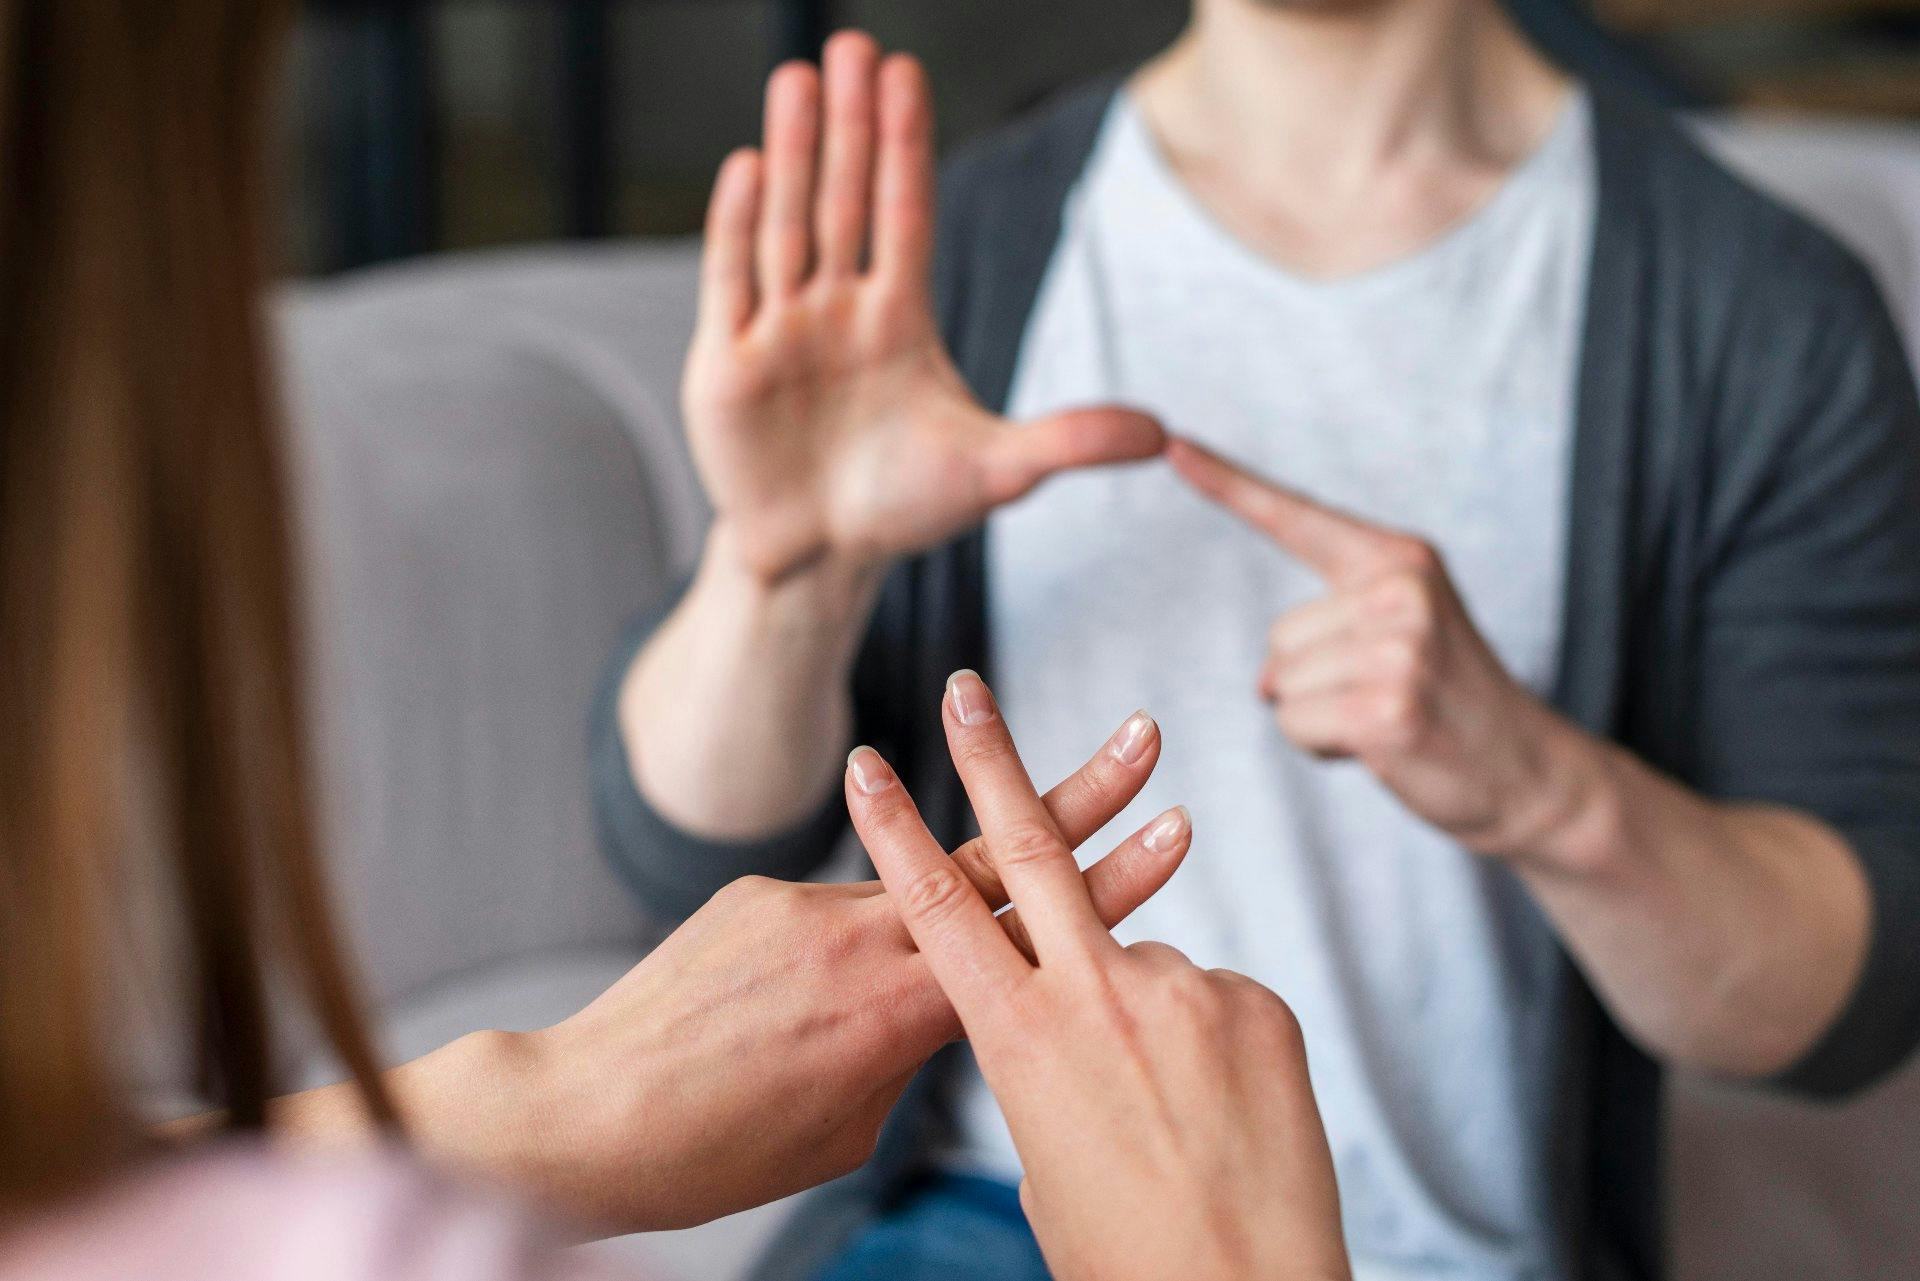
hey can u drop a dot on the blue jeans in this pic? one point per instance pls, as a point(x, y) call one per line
point(952, 1226)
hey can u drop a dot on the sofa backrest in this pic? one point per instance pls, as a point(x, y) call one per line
point(492, 481)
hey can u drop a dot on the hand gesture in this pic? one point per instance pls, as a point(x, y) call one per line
point(1163, 1112)
point(758, 1049)
point(1389, 669)
point(825, 416)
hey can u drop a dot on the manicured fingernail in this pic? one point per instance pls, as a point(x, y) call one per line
point(972, 704)
point(1129, 742)
point(871, 773)
point(1169, 830)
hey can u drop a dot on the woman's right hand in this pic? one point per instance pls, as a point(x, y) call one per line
point(1162, 1111)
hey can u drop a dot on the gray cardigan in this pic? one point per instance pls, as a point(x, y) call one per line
point(1742, 603)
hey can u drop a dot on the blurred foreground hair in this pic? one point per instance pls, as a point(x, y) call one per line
point(151, 740)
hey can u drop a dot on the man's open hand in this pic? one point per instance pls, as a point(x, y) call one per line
point(825, 415)
point(1389, 669)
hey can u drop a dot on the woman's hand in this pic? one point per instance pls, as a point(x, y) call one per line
point(1163, 1112)
point(754, 1053)
point(825, 415)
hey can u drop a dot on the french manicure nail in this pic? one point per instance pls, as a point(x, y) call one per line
point(972, 704)
point(1129, 742)
point(1169, 830)
point(871, 773)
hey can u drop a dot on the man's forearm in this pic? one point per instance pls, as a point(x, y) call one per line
point(1724, 937)
point(737, 714)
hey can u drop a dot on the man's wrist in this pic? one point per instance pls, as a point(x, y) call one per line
point(831, 592)
point(1565, 820)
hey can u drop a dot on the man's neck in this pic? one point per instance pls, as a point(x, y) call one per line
point(1312, 112)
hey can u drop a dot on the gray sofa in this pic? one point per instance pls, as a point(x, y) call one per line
point(492, 480)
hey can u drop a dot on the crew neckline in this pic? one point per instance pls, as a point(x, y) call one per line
point(1132, 141)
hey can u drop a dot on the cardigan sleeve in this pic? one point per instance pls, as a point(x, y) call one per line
point(1808, 677)
point(670, 870)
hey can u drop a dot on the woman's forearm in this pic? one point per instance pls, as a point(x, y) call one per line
point(483, 1107)
point(1724, 937)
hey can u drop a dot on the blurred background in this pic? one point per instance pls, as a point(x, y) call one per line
point(436, 124)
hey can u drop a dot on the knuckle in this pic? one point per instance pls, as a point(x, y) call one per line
point(1089, 789)
point(1280, 1023)
point(973, 750)
point(1398, 717)
point(1229, 980)
point(1417, 555)
point(935, 895)
point(1395, 709)
point(882, 812)
point(748, 889)
point(1297, 729)
point(1203, 998)
point(1421, 605)
point(1400, 659)
point(1192, 983)
point(1025, 844)
point(972, 860)
point(838, 938)
point(1402, 599)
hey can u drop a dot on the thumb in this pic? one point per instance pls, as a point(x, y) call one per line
point(1022, 455)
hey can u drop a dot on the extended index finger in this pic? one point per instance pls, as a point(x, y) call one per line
point(1081, 804)
point(971, 957)
point(1034, 860)
point(1335, 544)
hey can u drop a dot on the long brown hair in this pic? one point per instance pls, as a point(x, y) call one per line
point(150, 724)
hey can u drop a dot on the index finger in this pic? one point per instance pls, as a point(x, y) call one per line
point(1332, 542)
point(1034, 861)
point(1081, 804)
point(970, 955)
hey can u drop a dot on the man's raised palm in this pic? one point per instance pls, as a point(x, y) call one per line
point(825, 415)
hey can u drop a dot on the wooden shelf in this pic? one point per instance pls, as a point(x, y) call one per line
point(1887, 86)
point(1652, 16)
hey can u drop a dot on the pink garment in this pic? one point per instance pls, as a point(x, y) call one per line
point(244, 1214)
